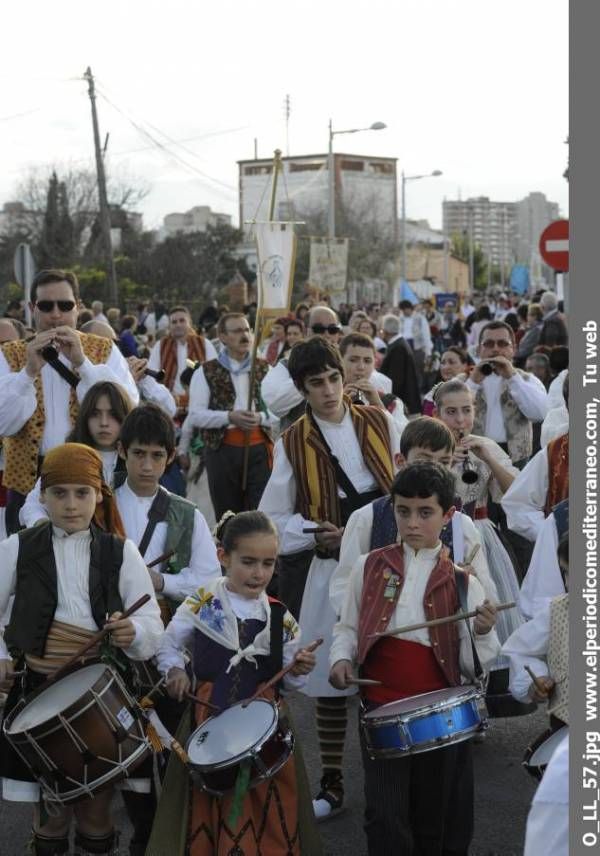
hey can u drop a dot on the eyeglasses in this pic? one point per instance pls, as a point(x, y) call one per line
point(48, 305)
point(332, 329)
point(238, 331)
point(501, 343)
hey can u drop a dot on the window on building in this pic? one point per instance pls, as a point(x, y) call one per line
point(381, 168)
point(306, 166)
point(263, 169)
point(353, 165)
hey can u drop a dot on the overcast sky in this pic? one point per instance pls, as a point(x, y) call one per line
point(476, 89)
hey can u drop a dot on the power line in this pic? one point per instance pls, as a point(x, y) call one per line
point(158, 144)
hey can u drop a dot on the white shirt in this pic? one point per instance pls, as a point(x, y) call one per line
point(528, 646)
point(409, 610)
point(17, 394)
point(528, 393)
point(200, 415)
point(555, 391)
point(204, 564)
point(279, 392)
point(525, 500)
point(72, 556)
point(33, 510)
point(407, 326)
point(543, 579)
point(548, 821)
point(154, 361)
point(101, 317)
point(279, 497)
point(356, 541)
point(179, 635)
point(151, 390)
point(555, 424)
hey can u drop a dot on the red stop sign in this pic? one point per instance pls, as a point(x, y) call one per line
point(554, 245)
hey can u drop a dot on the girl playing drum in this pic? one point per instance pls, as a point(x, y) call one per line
point(239, 638)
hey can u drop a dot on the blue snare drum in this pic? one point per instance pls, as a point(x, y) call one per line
point(424, 722)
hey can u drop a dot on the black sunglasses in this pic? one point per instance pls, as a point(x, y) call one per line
point(48, 305)
point(332, 329)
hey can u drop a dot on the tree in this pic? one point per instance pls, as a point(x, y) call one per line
point(55, 246)
point(460, 249)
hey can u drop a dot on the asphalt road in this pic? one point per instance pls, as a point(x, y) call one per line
point(503, 790)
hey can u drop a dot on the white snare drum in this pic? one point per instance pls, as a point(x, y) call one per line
point(256, 733)
point(424, 722)
point(537, 755)
point(79, 734)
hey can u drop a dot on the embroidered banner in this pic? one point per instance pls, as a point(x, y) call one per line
point(329, 264)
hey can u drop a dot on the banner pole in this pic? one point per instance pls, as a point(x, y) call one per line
point(258, 320)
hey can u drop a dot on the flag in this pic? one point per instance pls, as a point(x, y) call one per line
point(406, 293)
point(329, 264)
point(519, 279)
point(276, 250)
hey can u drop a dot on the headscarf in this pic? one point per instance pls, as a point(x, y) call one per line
point(75, 463)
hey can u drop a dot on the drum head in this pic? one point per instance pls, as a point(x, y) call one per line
point(230, 734)
point(420, 702)
point(543, 753)
point(57, 698)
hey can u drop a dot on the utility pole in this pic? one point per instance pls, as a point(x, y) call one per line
point(102, 197)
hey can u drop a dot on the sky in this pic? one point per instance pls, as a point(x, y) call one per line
point(476, 89)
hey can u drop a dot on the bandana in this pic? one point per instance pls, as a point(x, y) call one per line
point(225, 361)
point(75, 463)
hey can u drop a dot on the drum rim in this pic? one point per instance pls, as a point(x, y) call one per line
point(67, 712)
point(254, 749)
point(290, 742)
point(428, 745)
point(558, 735)
point(469, 693)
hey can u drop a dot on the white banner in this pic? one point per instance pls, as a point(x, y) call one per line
point(276, 249)
point(329, 264)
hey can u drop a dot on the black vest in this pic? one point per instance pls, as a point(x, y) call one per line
point(36, 596)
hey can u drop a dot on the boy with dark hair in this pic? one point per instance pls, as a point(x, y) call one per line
point(160, 523)
point(424, 440)
point(70, 576)
point(422, 803)
point(335, 458)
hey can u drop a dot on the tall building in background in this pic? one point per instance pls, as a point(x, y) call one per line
point(507, 232)
point(491, 225)
point(197, 219)
point(365, 188)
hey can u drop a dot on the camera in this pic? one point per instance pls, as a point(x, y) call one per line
point(485, 368)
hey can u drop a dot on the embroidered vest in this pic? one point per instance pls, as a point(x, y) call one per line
point(22, 449)
point(558, 657)
point(519, 432)
point(385, 531)
point(440, 599)
point(36, 594)
point(180, 529)
point(558, 471)
point(222, 396)
point(316, 486)
point(196, 350)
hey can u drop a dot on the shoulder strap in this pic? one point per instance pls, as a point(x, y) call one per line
point(340, 476)
point(276, 637)
point(462, 586)
point(156, 514)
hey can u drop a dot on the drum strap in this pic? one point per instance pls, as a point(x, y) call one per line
point(462, 585)
point(276, 637)
point(156, 514)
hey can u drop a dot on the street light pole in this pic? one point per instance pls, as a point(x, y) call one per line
point(376, 126)
point(404, 179)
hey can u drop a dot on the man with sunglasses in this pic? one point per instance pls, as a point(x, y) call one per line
point(39, 406)
point(507, 400)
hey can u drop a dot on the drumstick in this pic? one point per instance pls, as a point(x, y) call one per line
point(537, 683)
point(207, 704)
point(448, 619)
point(97, 637)
point(472, 554)
point(363, 682)
point(315, 531)
point(280, 674)
point(160, 559)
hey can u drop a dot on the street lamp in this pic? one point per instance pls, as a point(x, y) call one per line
point(376, 126)
point(406, 178)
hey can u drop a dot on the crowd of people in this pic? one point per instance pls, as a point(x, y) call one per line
point(373, 470)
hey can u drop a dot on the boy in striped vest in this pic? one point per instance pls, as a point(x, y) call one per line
point(421, 803)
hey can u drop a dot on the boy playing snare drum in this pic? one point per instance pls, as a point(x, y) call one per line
point(69, 576)
point(421, 803)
